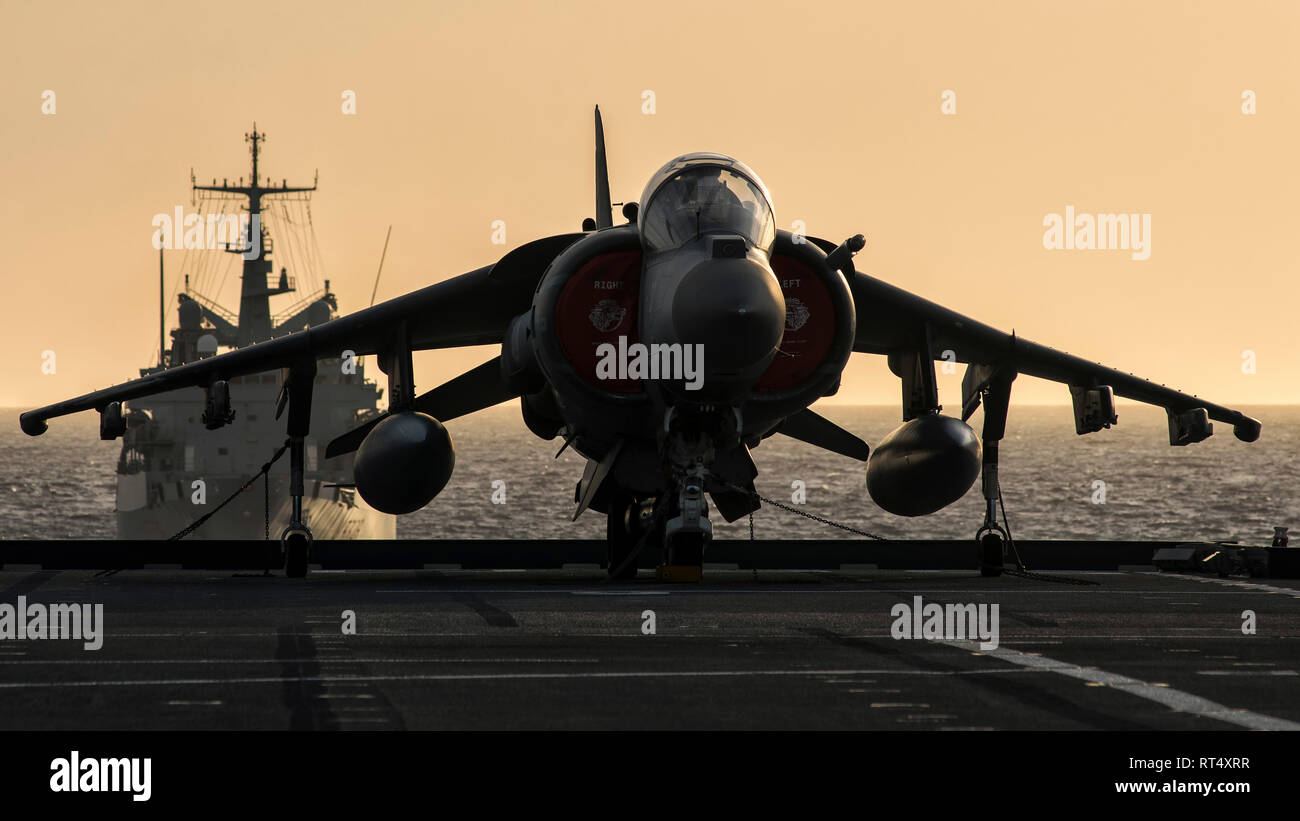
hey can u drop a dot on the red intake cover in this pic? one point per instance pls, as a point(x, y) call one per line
point(809, 326)
point(599, 304)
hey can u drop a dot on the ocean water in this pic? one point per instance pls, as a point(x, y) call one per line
point(62, 485)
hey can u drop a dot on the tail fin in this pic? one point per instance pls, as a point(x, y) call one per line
point(604, 206)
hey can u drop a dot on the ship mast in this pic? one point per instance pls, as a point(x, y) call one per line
point(256, 288)
point(162, 315)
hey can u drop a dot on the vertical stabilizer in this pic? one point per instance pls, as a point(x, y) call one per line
point(604, 207)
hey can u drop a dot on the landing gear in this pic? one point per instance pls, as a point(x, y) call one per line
point(681, 530)
point(992, 537)
point(687, 550)
point(689, 531)
point(625, 533)
point(992, 385)
point(992, 550)
point(692, 437)
point(296, 543)
point(296, 539)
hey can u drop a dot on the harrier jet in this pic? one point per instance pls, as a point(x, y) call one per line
point(664, 350)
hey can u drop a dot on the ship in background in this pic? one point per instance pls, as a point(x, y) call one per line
point(172, 469)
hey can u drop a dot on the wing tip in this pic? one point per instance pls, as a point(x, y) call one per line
point(1247, 430)
point(32, 423)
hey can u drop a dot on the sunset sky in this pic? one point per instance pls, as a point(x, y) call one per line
point(470, 112)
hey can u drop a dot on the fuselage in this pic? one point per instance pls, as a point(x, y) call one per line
point(687, 336)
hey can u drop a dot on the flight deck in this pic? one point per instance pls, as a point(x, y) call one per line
point(1135, 649)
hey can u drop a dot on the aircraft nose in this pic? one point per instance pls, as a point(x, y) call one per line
point(734, 308)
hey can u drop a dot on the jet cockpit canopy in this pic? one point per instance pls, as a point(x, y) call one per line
point(703, 193)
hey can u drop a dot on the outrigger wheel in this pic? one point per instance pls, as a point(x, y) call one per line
point(296, 542)
point(992, 550)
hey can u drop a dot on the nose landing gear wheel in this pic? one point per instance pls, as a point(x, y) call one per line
point(687, 550)
point(625, 527)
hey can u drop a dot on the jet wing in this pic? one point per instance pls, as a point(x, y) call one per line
point(471, 309)
point(890, 319)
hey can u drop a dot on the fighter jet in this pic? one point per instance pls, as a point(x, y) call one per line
point(664, 350)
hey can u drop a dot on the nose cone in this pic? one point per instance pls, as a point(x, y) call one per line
point(734, 308)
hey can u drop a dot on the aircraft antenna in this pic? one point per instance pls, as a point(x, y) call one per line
point(162, 314)
point(382, 254)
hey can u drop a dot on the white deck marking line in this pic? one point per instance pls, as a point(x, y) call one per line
point(1247, 673)
point(632, 674)
point(620, 592)
point(110, 662)
point(1263, 588)
point(1170, 697)
point(346, 695)
point(821, 590)
point(753, 634)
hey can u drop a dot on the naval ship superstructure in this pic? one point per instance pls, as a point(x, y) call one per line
point(173, 469)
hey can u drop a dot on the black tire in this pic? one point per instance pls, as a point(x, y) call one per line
point(621, 535)
point(991, 555)
point(688, 551)
point(297, 548)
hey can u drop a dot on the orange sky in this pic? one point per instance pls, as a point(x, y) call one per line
point(471, 112)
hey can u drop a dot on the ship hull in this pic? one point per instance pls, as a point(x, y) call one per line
point(331, 513)
point(172, 471)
